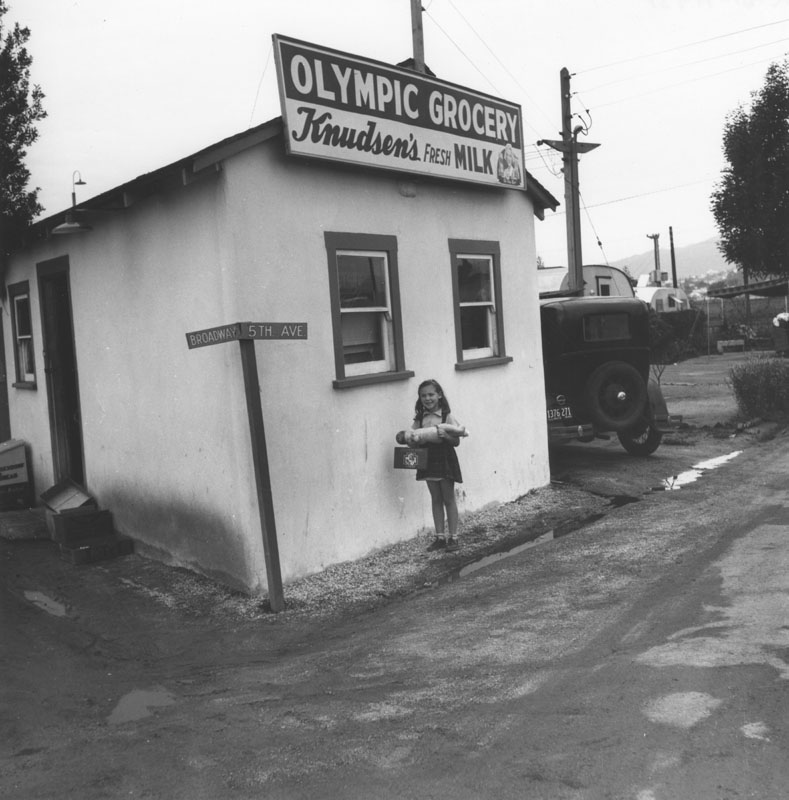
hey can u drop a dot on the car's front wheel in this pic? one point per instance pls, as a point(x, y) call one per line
point(641, 444)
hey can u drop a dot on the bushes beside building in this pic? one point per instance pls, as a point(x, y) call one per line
point(761, 387)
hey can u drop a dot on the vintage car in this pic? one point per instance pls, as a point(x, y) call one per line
point(598, 381)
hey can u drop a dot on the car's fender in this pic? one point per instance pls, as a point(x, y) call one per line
point(660, 419)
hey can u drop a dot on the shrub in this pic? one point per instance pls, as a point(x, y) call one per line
point(675, 335)
point(761, 387)
point(662, 340)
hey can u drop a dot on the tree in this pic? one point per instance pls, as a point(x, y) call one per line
point(751, 202)
point(20, 109)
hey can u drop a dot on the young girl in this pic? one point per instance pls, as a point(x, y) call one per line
point(442, 470)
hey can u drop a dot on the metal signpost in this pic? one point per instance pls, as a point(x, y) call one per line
point(245, 333)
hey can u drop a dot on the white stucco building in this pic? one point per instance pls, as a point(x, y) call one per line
point(378, 263)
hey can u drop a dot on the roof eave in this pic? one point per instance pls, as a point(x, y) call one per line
point(179, 173)
point(541, 198)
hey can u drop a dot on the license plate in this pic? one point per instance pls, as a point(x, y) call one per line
point(554, 414)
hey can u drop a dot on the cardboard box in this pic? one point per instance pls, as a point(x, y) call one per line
point(66, 495)
point(80, 524)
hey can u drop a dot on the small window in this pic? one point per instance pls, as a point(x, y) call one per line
point(603, 287)
point(606, 327)
point(368, 344)
point(477, 309)
point(22, 328)
point(476, 283)
point(365, 311)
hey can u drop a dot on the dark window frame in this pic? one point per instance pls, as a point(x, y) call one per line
point(608, 327)
point(16, 291)
point(337, 241)
point(478, 247)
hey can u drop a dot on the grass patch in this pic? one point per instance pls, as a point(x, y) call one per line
point(761, 387)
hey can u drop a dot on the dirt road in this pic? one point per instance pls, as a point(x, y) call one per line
point(643, 655)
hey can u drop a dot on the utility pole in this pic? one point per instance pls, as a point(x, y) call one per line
point(571, 148)
point(575, 262)
point(656, 274)
point(417, 34)
point(745, 281)
point(673, 257)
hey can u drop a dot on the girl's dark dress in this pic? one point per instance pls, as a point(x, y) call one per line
point(442, 461)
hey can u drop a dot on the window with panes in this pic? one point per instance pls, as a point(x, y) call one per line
point(365, 297)
point(476, 284)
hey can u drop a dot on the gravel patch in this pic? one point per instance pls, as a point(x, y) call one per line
point(387, 574)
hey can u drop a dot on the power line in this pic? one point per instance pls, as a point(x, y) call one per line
point(260, 83)
point(554, 171)
point(461, 51)
point(646, 194)
point(470, 61)
point(591, 225)
point(501, 63)
point(681, 46)
point(689, 80)
point(685, 65)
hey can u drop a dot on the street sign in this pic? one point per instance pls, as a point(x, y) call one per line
point(273, 330)
point(224, 333)
point(245, 333)
point(246, 330)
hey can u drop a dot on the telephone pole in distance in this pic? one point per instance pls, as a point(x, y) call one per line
point(571, 148)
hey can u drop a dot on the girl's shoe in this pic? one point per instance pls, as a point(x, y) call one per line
point(439, 543)
point(452, 545)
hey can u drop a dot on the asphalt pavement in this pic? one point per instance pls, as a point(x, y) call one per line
point(643, 655)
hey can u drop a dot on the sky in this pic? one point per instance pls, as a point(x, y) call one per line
point(131, 87)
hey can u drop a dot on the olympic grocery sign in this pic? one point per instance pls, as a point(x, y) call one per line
point(346, 108)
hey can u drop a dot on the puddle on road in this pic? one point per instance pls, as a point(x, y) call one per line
point(619, 500)
point(492, 559)
point(137, 704)
point(555, 533)
point(674, 482)
point(46, 603)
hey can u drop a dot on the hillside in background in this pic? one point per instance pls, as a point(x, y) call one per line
point(693, 260)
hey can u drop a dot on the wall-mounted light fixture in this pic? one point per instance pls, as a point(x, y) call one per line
point(71, 225)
